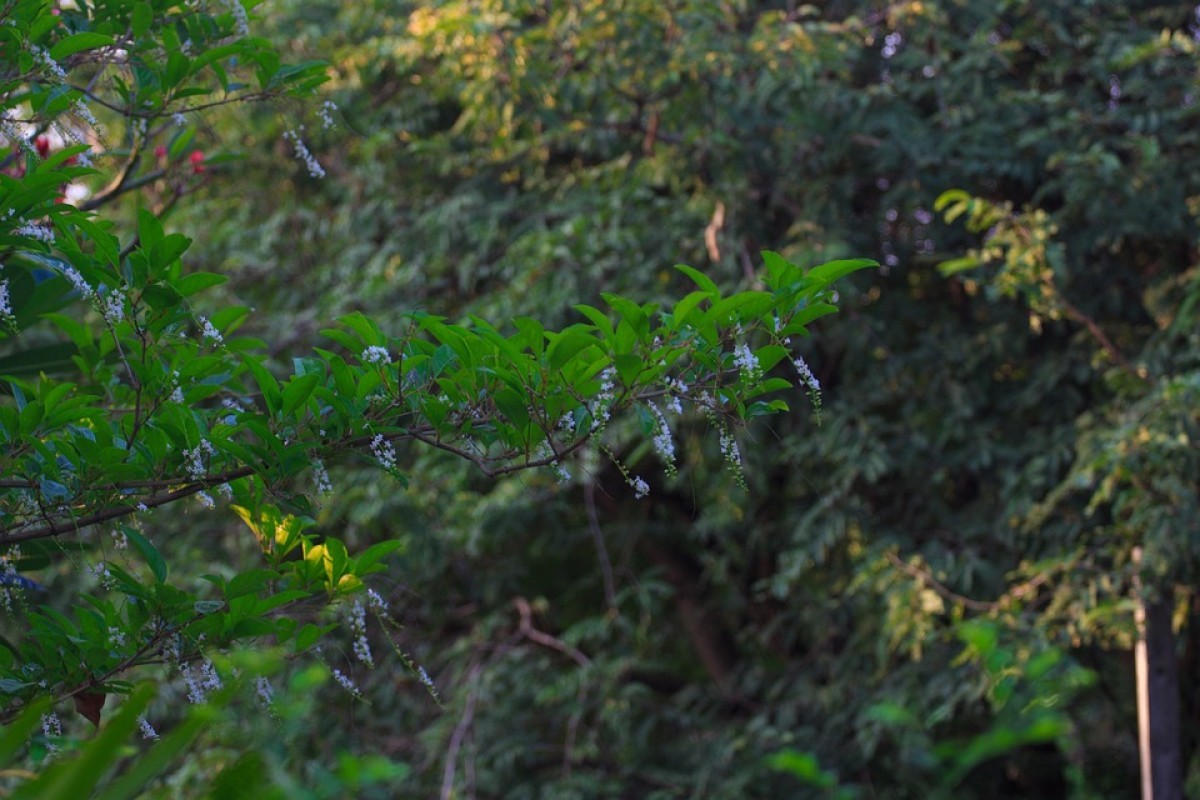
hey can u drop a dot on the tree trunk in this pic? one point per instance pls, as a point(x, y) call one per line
point(1157, 671)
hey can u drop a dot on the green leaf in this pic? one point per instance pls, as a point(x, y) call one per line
point(831, 271)
point(154, 559)
point(266, 384)
point(78, 42)
point(700, 279)
point(16, 733)
point(79, 776)
point(189, 285)
point(150, 230)
point(512, 405)
point(138, 774)
point(141, 19)
point(297, 391)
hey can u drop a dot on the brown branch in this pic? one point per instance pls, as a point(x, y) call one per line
point(531, 633)
point(1101, 337)
point(930, 582)
point(1018, 592)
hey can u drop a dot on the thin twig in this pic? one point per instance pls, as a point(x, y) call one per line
point(460, 731)
point(606, 570)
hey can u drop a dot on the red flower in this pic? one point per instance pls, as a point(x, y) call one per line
point(42, 143)
point(197, 159)
point(160, 153)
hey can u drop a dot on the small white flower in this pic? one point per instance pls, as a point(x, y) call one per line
point(321, 477)
point(51, 727)
point(640, 487)
point(664, 444)
point(42, 233)
point(241, 22)
point(147, 729)
point(112, 307)
point(194, 459)
point(209, 331)
point(376, 355)
point(327, 110)
point(310, 162)
point(7, 318)
point(101, 572)
point(42, 56)
point(264, 690)
point(358, 626)
point(376, 602)
point(383, 451)
point(806, 375)
point(206, 500)
point(745, 360)
point(84, 113)
point(120, 540)
point(179, 119)
point(346, 683)
point(116, 637)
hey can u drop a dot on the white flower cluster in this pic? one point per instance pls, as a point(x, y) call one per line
point(147, 729)
point(375, 355)
point(43, 57)
point(83, 287)
point(241, 22)
point(51, 727)
point(112, 307)
point(321, 477)
point(10, 590)
point(544, 452)
point(327, 110)
point(310, 161)
point(179, 119)
point(101, 572)
point(640, 487)
point(358, 626)
point(383, 451)
point(172, 650)
point(200, 680)
point(679, 390)
point(209, 331)
point(120, 540)
point(375, 602)
point(664, 444)
point(729, 449)
point(745, 360)
point(346, 683)
point(264, 690)
point(205, 500)
point(81, 110)
point(426, 680)
point(43, 233)
point(195, 459)
point(5, 303)
point(600, 405)
point(116, 637)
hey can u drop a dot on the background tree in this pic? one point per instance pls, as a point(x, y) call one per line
point(984, 428)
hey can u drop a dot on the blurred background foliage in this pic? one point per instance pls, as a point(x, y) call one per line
point(996, 435)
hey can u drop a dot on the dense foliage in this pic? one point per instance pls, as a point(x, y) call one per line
point(928, 594)
point(161, 403)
